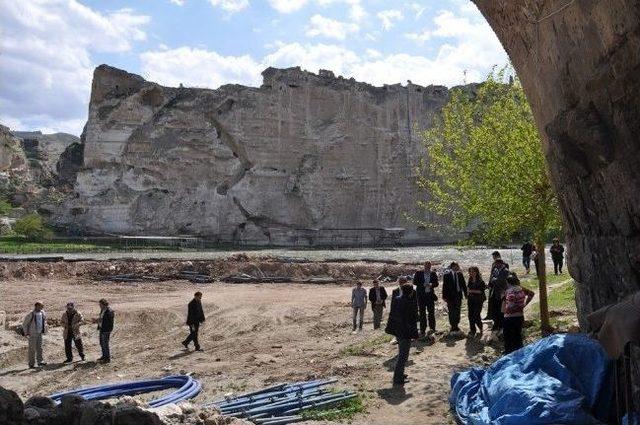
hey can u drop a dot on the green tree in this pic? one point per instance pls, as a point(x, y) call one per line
point(486, 173)
point(5, 206)
point(31, 226)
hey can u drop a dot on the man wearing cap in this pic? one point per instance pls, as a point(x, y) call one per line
point(71, 331)
point(34, 326)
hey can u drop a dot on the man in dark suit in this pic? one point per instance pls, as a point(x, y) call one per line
point(426, 280)
point(454, 288)
point(195, 316)
point(377, 297)
point(402, 324)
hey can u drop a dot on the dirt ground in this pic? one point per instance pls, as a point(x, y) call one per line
point(255, 335)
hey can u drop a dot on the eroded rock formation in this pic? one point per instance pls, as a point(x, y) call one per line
point(304, 159)
point(579, 62)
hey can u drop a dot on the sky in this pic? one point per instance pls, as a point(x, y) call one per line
point(49, 48)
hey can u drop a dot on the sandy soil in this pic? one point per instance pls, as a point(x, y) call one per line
point(255, 335)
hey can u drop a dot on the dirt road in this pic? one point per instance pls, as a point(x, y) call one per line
point(255, 335)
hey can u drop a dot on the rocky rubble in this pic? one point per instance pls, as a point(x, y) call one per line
point(74, 410)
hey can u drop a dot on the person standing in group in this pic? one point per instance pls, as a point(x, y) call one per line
point(536, 261)
point(195, 316)
point(557, 255)
point(425, 281)
point(491, 305)
point(358, 304)
point(34, 326)
point(527, 249)
point(402, 324)
point(497, 284)
point(377, 297)
point(516, 299)
point(454, 289)
point(105, 326)
point(70, 320)
point(475, 299)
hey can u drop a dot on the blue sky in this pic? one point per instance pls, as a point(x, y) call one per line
point(49, 48)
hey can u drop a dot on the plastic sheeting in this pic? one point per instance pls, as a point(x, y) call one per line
point(561, 379)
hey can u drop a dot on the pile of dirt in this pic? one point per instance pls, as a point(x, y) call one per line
point(217, 269)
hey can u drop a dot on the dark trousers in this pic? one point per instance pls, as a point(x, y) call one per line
point(193, 335)
point(427, 314)
point(377, 314)
point(557, 265)
point(104, 345)
point(526, 262)
point(475, 310)
point(67, 346)
point(454, 308)
point(496, 313)
point(404, 345)
point(513, 334)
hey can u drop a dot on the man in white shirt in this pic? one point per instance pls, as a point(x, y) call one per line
point(34, 326)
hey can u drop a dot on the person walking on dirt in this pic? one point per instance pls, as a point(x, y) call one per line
point(475, 300)
point(402, 324)
point(516, 299)
point(358, 304)
point(426, 281)
point(527, 249)
point(105, 326)
point(557, 255)
point(454, 288)
point(70, 320)
point(377, 297)
point(195, 316)
point(34, 326)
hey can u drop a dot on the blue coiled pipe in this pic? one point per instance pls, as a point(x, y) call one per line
point(187, 388)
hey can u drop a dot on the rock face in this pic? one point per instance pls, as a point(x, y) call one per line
point(580, 66)
point(304, 159)
point(45, 148)
point(16, 179)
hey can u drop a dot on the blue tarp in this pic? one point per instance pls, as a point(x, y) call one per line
point(561, 379)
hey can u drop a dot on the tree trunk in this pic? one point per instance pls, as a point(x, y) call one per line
point(541, 271)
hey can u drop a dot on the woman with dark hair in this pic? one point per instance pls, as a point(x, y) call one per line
point(475, 299)
point(515, 300)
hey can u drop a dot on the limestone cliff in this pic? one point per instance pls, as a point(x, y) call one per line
point(304, 159)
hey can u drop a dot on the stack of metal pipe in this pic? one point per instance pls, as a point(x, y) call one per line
point(281, 404)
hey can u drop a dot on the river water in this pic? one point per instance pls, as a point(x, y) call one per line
point(467, 256)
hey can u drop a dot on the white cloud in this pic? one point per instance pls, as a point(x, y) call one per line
point(46, 66)
point(417, 9)
point(373, 53)
point(330, 28)
point(389, 18)
point(287, 6)
point(356, 11)
point(199, 68)
point(178, 2)
point(419, 37)
point(230, 6)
